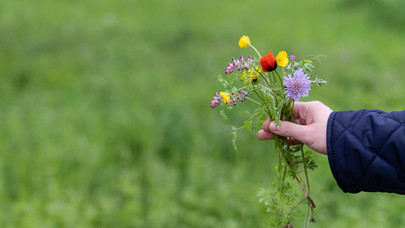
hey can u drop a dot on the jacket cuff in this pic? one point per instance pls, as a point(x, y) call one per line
point(333, 155)
point(366, 150)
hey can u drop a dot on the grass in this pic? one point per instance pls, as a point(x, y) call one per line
point(105, 117)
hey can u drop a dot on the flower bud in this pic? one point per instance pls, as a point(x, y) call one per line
point(244, 42)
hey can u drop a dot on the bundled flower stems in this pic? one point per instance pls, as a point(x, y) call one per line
point(273, 84)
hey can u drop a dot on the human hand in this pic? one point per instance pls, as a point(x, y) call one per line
point(310, 128)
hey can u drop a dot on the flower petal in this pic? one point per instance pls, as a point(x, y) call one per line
point(225, 96)
point(268, 62)
point(244, 42)
point(282, 59)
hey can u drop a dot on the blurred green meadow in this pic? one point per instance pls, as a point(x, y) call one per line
point(105, 117)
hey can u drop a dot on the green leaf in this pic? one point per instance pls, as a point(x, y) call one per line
point(222, 113)
point(247, 124)
point(234, 134)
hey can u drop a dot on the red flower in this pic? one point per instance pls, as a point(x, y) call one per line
point(268, 62)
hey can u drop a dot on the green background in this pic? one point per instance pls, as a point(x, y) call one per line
point(105, 117)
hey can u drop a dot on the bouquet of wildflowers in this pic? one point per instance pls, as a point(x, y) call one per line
point(273, 84)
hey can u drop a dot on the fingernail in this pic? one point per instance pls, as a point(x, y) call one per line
point(273, 127)
point(259, 135)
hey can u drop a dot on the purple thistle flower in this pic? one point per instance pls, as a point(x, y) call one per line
point(215, 100)
point(292, 57)
point(297, 86)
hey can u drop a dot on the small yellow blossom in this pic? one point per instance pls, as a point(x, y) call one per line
point(244, 42)
point(282, 59)
point(251, 74)
point(225, 96)
point(255, 73)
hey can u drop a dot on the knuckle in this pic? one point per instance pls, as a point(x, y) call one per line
point(266, 125)
point(316, 103)
point(286, 129)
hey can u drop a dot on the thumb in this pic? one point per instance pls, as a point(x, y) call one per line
point(289, 129)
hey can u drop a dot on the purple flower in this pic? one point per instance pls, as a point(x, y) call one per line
point(250, 59)
point(229, 68)
point(242, 95)
point(248, 62)
point(242, 64)
point(292, 57)
point(239, 63)
point(246, 66)
point(297, 86)
point(233, 100)
point(215, 100)
point(236, 63)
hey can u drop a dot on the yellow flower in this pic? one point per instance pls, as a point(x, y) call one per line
point(244, 42)
point(251, 74)
point(255, 73)
point(282, 59)
point(225, 96)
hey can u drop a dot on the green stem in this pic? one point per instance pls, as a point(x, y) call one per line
point(310, 201)
point(279, 77)
point(289, 159)
point(282, 187)
point(254, 89)
point(253, 101)
point(307, 217)
point(279, 152)
point(292, 110)
point(274, 78)
point(244, 87)
point(264, 77)
point(305, 168)
point(255, 50)
point(267, 80)
point(261, 92)
point(295, 207)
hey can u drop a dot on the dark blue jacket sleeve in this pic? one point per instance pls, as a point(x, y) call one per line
point(366, 150)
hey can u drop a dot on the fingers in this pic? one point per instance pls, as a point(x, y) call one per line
point(310, 128)
point(296, 130)
point(289, 129)
point(300, 115)
point(300, 111)
point(264, 135)
point(266, 125)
